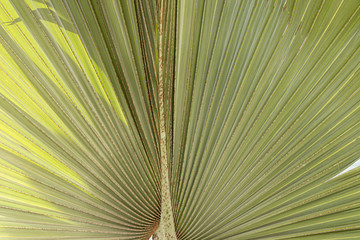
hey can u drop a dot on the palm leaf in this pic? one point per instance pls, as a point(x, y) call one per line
point(187, 119)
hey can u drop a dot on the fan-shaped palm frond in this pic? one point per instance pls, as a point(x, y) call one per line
point(183, 119)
